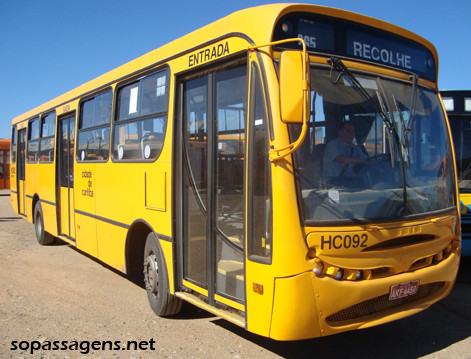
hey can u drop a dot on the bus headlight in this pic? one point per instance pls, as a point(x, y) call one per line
point(322, 269)
point(318, 268)
point(339, 274)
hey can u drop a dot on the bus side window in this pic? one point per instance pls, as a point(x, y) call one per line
point(141, 119)
point(46, 144)
point(33, 141)
point(260, 207)
point(93, 142)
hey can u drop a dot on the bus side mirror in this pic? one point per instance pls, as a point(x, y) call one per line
point(292, 86)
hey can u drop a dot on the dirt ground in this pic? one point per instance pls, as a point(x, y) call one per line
point(57, 293)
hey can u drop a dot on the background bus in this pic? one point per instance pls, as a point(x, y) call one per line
point(198, 170)
point(4, 163)
point(458, 107)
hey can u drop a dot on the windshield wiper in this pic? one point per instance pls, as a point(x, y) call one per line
point(338, 65)
point(405, 138)
point(391, 131)
point(385, 112)
point(398, 142)
point(413, 106)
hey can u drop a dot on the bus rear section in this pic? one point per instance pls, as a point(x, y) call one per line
point(4, 164)
point(458, 106)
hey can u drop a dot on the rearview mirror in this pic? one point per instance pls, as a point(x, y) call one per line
point(292, 86)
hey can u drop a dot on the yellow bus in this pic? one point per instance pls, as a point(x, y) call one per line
point(458, 106)
point(214, 170)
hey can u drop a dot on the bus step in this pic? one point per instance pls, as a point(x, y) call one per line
point(229, 316)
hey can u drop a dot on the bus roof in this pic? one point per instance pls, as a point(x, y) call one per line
point(265, 16)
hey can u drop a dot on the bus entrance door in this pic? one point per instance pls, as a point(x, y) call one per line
point(20, 172)
point(213, 116)
point(65, 177)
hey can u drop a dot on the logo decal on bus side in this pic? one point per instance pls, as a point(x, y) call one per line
point(88, 191)
point(208, 54)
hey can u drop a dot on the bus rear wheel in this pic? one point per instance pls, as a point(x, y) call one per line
point(161, 301)
point(42, 236)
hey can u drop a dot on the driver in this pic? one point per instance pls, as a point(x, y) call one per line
point(342, 157)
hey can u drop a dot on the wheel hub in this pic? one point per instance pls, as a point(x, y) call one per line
point(151, 274)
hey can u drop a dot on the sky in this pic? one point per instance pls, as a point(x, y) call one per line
point(48, 47)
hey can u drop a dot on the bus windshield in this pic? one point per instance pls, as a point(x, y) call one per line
point(376, 152)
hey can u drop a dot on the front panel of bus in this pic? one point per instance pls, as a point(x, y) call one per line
point(360, 243)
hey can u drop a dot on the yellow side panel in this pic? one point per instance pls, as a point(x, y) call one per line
point(71, 213)
point(13, 194)
point(50, 218)
point(14, 202)
point(46, 185)
point(86, 234)
point(13, 176)
point(167, 249)
point(21, 196)
point(31, 186)
point(259, 306)
point(84, 201)
point(64, 213)
point(156, 194)
point(294, 309)
point(28, 208)
point(111, 249)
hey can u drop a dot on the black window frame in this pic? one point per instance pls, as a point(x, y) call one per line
point(30, 141)
point(105, 125)
point(117, 122)
point(41, 135)
point(14, 138)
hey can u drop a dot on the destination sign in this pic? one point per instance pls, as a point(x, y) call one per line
point(338, 37)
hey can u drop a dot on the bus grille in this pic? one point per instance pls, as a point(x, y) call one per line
point(382, 303)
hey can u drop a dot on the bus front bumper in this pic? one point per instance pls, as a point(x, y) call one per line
point(306, 306)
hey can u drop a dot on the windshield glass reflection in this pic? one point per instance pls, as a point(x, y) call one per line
point(367, 157)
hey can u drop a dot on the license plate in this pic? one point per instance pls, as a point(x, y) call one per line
point(403, 290)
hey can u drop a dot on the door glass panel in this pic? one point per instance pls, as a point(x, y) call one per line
point(195, 160)
point(259, 244)
point(21, 154)
point(70, 154)
point(230, 269)
point(67, 126)
point(64, 150)
point(231, 95)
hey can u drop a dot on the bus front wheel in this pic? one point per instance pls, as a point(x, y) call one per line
point(42, 236)
point(161, 301)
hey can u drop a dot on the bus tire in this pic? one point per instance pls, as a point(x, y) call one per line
point(161, 301)
point(42, 236)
